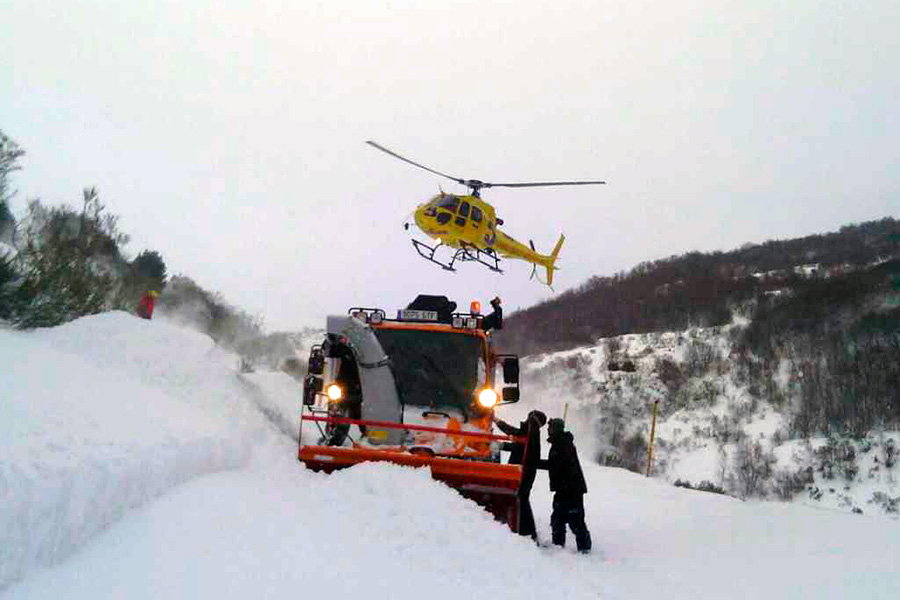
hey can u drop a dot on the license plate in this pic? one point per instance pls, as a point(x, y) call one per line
point(418, 315)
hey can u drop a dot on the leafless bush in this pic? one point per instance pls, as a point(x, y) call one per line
point(633, 453)
point(577, 365)
point(670, 374)
point(228, 325)
point(889, 452)
point(703, 486)
point(700, 358)
point(790, 483)
point(708, 392)
point(887, 504)
point(752, 469)
point(727, 429)
point(837, 458)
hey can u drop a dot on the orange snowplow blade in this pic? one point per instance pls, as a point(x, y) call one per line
point(490, 484)
point(455, 472)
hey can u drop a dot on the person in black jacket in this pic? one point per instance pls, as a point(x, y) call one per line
point(529, 456)
point(348, 379)
point(567, 483)
point(495, 319)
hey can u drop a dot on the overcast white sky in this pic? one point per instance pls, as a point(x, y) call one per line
point(228, 135)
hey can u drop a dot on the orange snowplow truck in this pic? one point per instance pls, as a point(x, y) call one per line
point(418, 390)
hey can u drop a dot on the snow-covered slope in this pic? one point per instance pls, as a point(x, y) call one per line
point(708, 420)
point(135, 462)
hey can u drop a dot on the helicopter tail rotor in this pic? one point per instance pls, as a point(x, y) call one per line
point(551, 264)
point(533, 266)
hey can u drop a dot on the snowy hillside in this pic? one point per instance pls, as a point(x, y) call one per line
point(136, 461)
point(709, 423)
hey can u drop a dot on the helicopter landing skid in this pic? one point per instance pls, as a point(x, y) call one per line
point(488, 258)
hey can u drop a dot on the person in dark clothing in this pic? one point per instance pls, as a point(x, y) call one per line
point(569, 487)
point(495, 319)
point(350, 405)
point(529, 456)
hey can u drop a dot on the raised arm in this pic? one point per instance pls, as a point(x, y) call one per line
point(507, 428)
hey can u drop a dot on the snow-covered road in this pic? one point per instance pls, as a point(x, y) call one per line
point(136, 463)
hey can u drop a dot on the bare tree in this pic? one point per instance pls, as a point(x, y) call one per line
point(752, 469)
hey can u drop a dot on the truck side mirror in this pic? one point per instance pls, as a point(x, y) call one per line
point(511, 394)
point(511, 370)
point(312, 385)
point(316, 361)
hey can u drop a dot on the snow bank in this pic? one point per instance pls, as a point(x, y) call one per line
point(101, 415)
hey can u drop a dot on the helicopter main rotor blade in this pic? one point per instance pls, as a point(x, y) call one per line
point(477, 184)
point(415, 164)
point(543, 184)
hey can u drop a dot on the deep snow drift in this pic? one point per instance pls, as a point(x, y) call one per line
point(135, 461)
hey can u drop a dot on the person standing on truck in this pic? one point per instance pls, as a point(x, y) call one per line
point(529, 456)
point(495, 319)
point(567, 483)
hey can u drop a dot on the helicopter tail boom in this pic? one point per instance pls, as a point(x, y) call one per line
point(511, 248)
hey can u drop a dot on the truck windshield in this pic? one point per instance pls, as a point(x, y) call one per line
point(433, 368)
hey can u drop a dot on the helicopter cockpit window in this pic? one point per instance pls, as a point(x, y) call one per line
point(449, 202)
point(476, 214)
point(462, 214)
point(443, 218)
point(430, 211)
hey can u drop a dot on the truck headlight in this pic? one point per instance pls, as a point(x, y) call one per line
point(487, 398)
point(335, 393)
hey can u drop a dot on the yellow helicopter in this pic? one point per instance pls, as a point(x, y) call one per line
point(469, 226)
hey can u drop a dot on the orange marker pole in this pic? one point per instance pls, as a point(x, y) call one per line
point(652, 438)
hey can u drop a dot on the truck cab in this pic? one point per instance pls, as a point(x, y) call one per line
point(429, 366)
point(428, 384)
